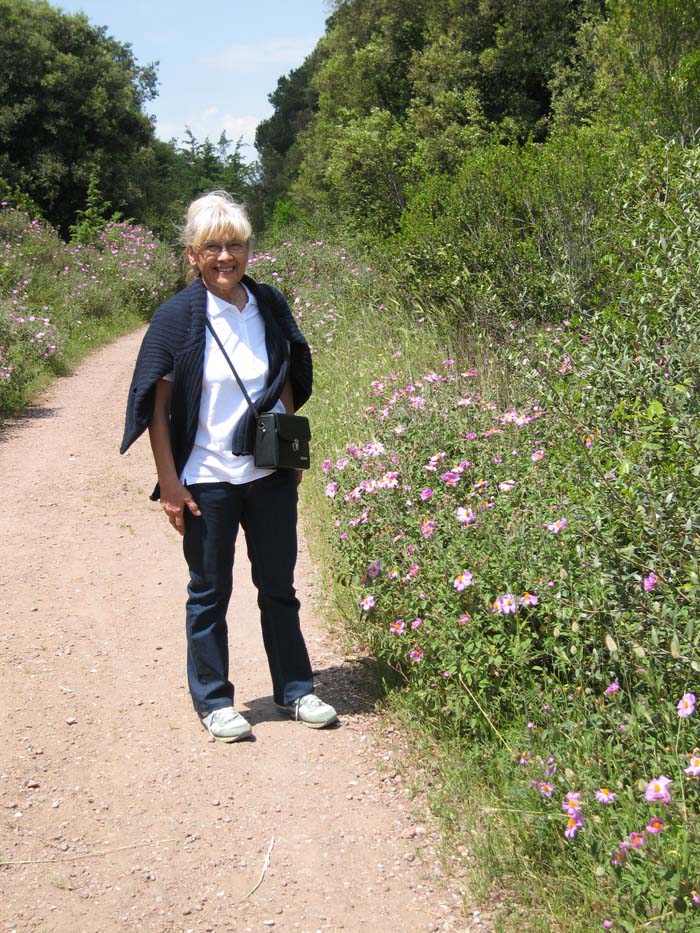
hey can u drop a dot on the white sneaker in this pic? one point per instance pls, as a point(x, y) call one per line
point(311, 710)
point(227, 725)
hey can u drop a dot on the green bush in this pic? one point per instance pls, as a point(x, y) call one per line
point(58, 300)
point(518, 232)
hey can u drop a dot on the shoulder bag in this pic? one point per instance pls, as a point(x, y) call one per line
point(281, 441)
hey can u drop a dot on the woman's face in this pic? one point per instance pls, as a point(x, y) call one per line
point(221, 262)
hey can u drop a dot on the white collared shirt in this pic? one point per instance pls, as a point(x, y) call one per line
point(222, 405)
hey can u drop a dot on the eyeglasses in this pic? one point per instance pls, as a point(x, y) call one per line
point(211, 250)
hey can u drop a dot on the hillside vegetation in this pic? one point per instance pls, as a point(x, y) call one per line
point(486, 216)
point(508, 418)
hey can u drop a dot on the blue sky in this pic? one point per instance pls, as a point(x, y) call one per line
point(218, 60)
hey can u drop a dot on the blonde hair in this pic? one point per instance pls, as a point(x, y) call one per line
point(213, 216)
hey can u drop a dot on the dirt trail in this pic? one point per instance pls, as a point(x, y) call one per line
point(118, 811)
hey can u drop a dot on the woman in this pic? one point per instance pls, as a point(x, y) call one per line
point(201, 432)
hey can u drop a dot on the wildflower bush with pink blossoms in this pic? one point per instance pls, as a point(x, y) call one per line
point(514, 534)
point(57, 301)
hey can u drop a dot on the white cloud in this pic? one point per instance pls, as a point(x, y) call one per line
point(284, 51)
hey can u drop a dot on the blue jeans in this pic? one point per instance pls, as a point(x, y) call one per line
point(267, 510)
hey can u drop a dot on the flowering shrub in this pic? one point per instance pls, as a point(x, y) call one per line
point(57, 300)
point(517, 543)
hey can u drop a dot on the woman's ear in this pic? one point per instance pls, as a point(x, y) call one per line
point(191, 256)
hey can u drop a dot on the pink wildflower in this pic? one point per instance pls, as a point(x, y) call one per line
point(571, 802)
point(529, 599)
point(426, 494)
point(612, 687)
point(618, 856)
point(397, 627)
point(686, 705)
point(506, 604)
point(605, 796)
point(655, 826)
point(416, 654)
point(462, 581)
point(657, 789)
point(374, 449)
point(574, 822)
point(636, 840)
point(366, 603)
point(650, 581)
point(428, 527)
point(556, 526)
point(693, 768)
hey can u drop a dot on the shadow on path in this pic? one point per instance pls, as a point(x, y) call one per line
point(11, 423)
point(352, 688)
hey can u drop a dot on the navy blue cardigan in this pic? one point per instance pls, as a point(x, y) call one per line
point(174, 342)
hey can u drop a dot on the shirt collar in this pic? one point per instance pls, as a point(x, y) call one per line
point(217, 306)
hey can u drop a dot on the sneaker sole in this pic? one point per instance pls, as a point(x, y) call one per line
point(228, 739)
point(318, 725)
point(312, 725)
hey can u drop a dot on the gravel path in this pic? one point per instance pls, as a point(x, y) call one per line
point(118, 811)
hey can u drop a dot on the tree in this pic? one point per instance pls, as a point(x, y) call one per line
point(91, 221)
point(295, 102)
point(71, 100)
point(635, 65)
point(409, 88)
point(172, 175)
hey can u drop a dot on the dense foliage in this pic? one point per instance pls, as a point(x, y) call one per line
point(57, 301)
point(399, 97)
point(513, 530)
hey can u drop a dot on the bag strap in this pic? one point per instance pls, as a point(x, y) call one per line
point(233, 369)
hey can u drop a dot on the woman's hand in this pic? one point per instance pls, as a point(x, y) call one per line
point(174, 499)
